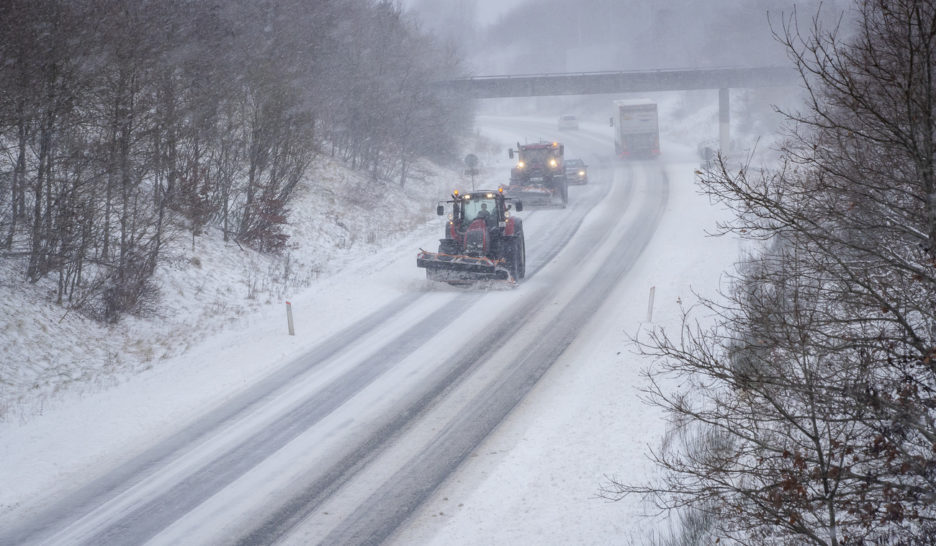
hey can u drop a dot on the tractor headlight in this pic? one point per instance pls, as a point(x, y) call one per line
point(521, 165)
point(581, 173)
point(552, 163)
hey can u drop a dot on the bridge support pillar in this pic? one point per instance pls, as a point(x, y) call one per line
point(724, 137)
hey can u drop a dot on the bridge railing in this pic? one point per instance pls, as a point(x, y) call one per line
point(588, 83)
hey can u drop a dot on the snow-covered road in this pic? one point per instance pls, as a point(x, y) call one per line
point(348, 441)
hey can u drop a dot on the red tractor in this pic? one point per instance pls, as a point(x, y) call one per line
point(482, 241)
point(539, 177)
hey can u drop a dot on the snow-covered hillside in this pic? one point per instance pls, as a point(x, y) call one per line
point(206, 286)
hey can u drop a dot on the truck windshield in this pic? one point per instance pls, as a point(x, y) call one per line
point(535, 157)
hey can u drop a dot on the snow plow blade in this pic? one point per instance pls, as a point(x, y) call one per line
point(461, 268)
point(534, 196)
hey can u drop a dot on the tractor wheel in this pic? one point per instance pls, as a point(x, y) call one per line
point(522, 254)
point(515, 259)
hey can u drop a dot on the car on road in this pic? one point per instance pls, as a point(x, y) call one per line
point(568, 122)
point(576, 171)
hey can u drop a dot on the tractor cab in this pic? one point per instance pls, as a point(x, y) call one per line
point(480, 207)
point(542, 158)
point(489, 206)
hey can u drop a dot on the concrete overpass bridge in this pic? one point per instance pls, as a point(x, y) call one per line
point(638, 81)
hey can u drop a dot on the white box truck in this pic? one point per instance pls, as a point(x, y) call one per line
point(636, 129)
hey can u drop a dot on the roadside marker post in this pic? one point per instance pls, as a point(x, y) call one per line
point(289, 318)
point(650, 304)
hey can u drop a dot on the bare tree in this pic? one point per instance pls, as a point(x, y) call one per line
point(121, 120)
point(808, 409)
